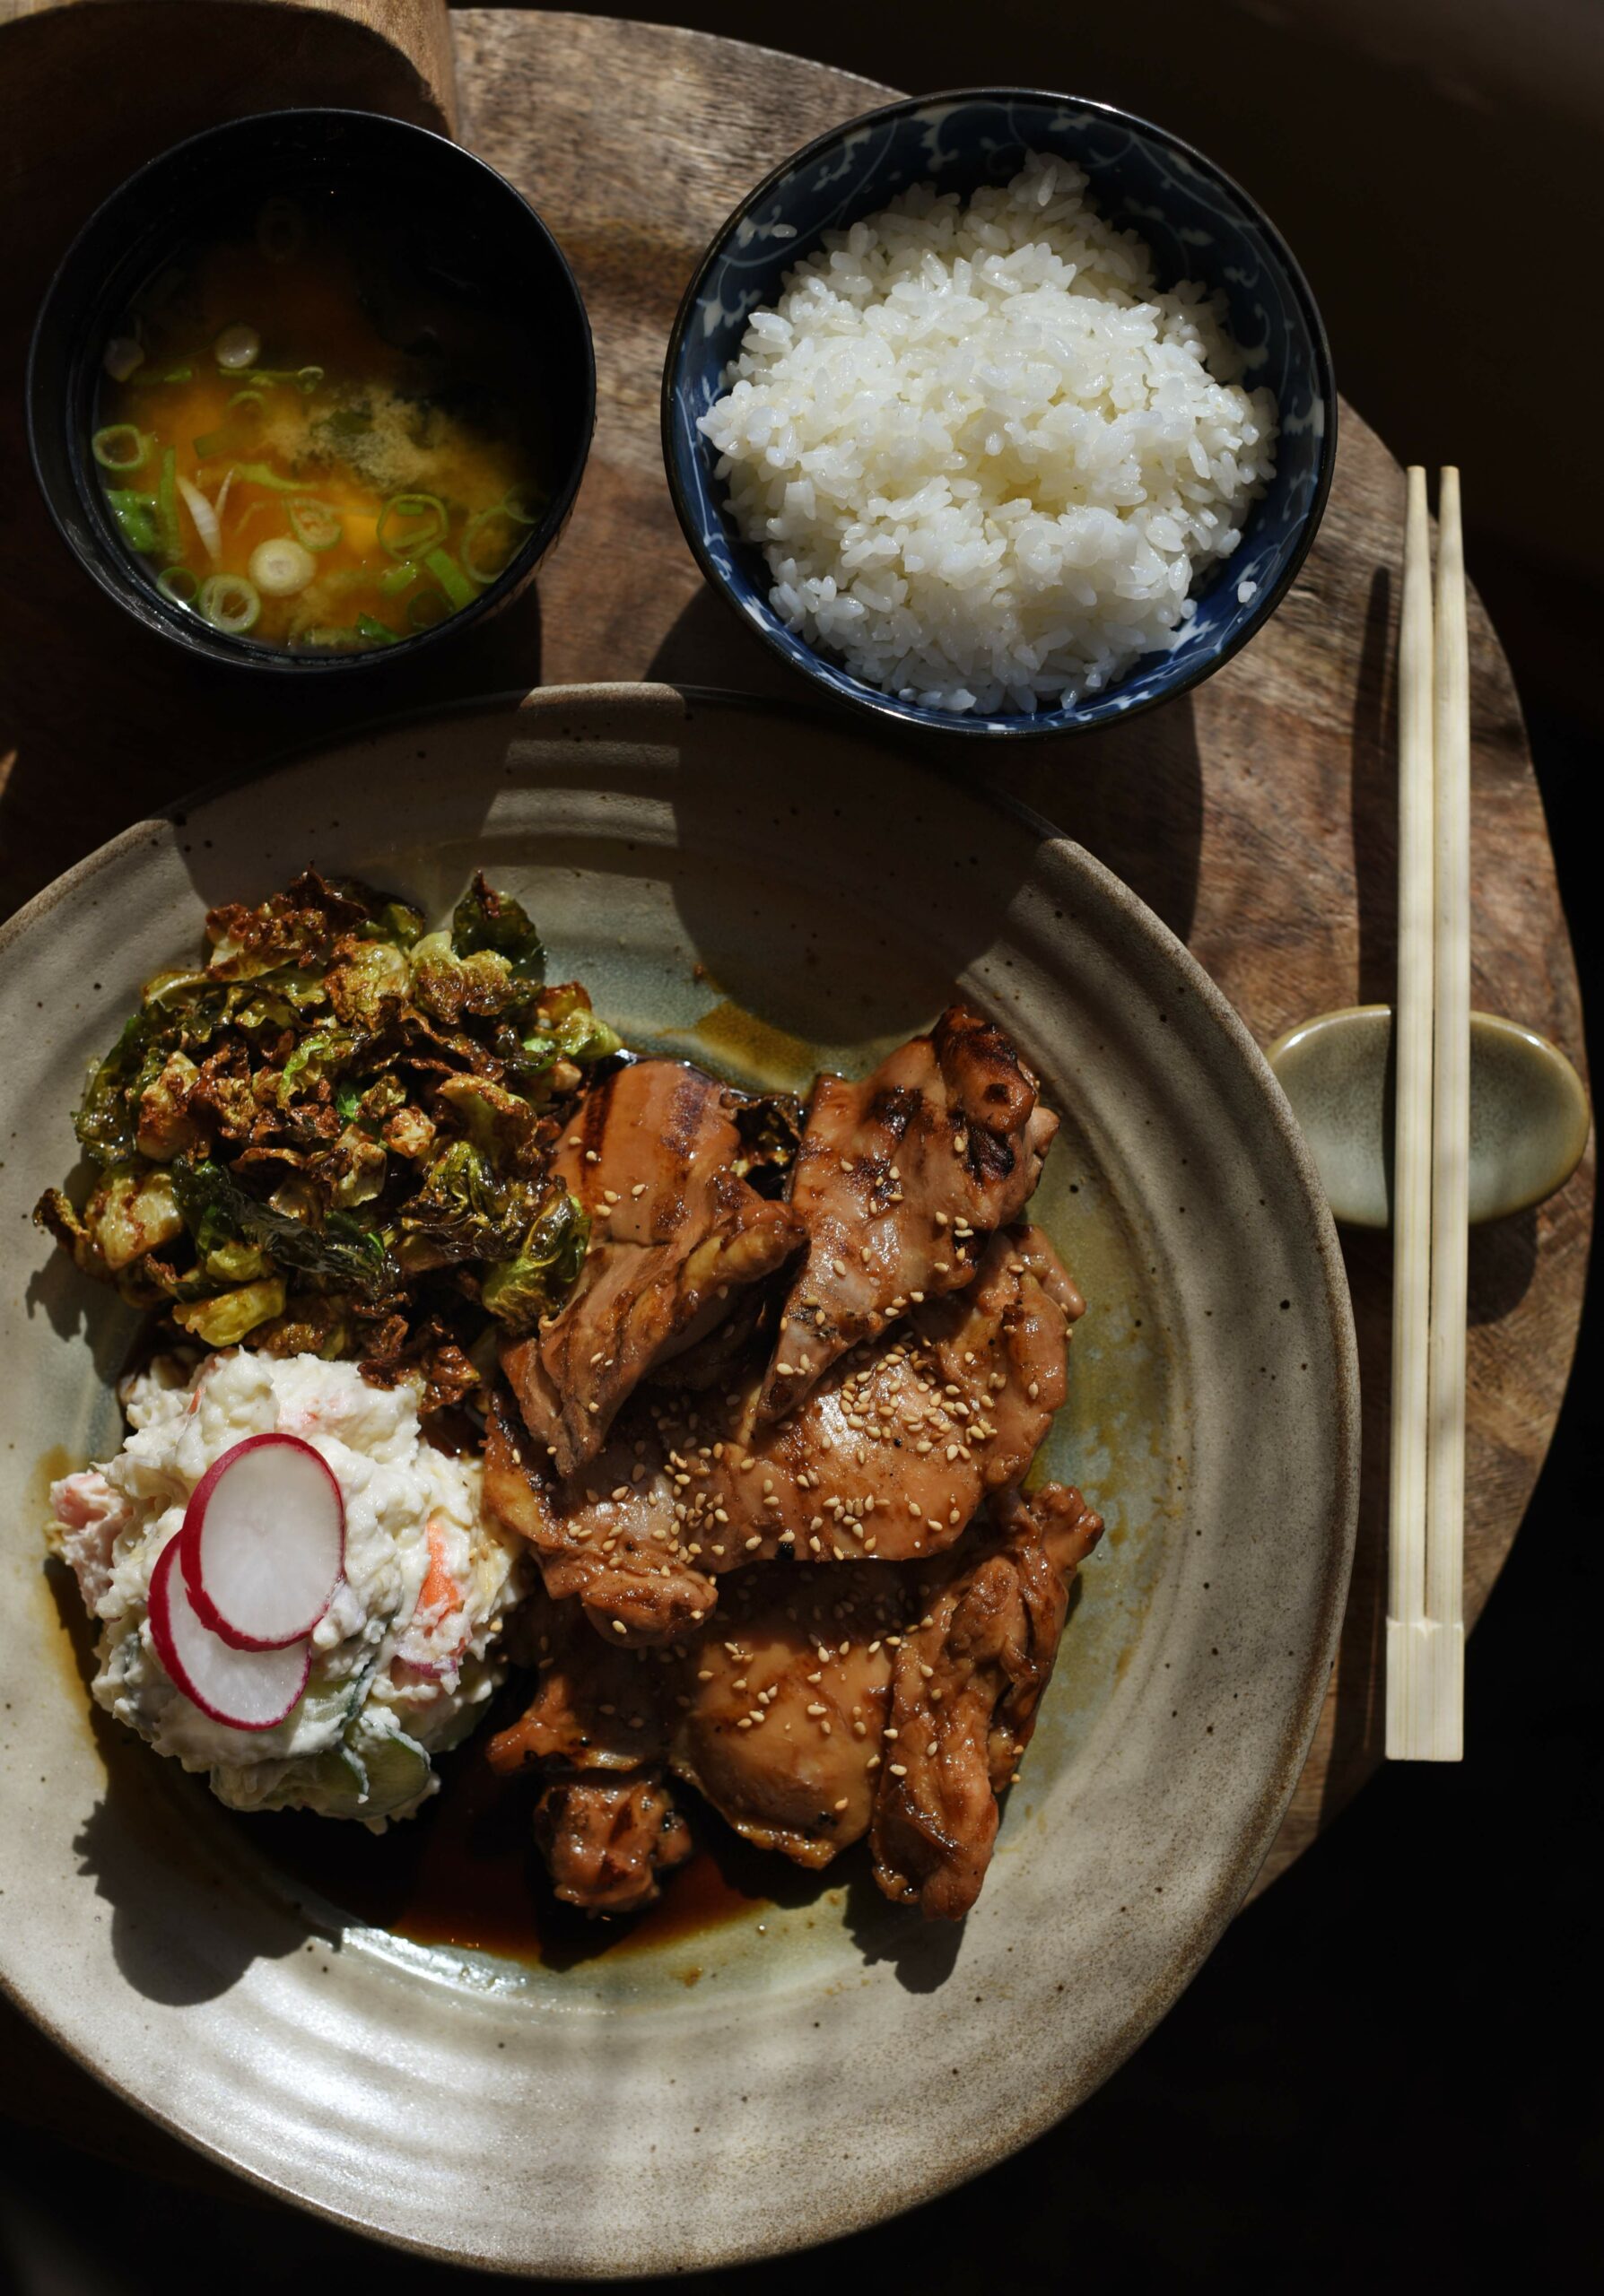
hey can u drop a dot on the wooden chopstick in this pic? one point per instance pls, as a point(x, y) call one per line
point(1425, 1622)
point(1450, 1144)
point(1412, 1137)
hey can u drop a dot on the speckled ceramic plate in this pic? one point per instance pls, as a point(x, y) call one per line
point(768, 892)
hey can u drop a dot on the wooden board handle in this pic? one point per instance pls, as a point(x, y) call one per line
point(415, 33)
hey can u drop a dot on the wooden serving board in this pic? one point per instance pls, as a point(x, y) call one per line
point(1255, 815)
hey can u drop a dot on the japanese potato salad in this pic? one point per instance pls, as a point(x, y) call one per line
point(495, 1371)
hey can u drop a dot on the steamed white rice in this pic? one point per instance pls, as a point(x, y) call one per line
point(984, 457)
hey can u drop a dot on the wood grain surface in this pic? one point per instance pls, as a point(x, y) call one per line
point(1257, 815)
point(186, 57)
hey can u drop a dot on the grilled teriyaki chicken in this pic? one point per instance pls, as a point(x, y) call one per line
point(605, 1823)
point(633, 1580)
point(888, 1459)
point(897, 1182)
point(966, 1686)
point(607, 1840)
point(818, 1707)
point(653, 1155)
point(672, 1464)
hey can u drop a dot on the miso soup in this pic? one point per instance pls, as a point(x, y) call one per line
point(314, 436)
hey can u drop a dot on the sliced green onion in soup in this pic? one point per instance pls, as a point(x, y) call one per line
point(229, 602)
point(491, 542)
point(305, 379)
point(370, 626)
point(136, 516)
point(427, 608)
point(281, 567)
point(409, 524)
point(281, 228)
point(396, 578)
point(525, 505)
point(314, 525)
point(120, 446)
point(263, 475)
point(178, 585)
point(451, 577)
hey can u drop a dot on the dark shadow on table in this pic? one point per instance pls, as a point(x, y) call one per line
point(1374, 799)
point(183, 725)
point(1503, 1262)
point(1131, 793)
point(710, 644)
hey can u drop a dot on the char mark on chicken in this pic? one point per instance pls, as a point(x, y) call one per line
point(963, 1697)
point(656, 1157)
point(898, 1181)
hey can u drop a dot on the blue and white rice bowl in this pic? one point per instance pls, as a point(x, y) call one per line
point(872, 596)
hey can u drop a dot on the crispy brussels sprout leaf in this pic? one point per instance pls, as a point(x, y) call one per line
point(453, 989)
point(237, 1263)
point(315, 1056)
point(485, 918)
point(369, 983)
point(465, 1211)
point(520, 1290)
point(224, 1319)
point(132, 1211)
point(586, 1037)
point(59, 1216)
point(354, 1170)
point(163, 1125)
point(397, 921)
point(314, 1323)
point(297, 927)
point(106, 1123)
point(496, 1121)
point(567, 1021)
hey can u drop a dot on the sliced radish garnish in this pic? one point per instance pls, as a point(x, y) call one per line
point(249, 1690)
point(263, 1542)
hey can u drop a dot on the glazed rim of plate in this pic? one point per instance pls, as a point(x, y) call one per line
point(746, 2200)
